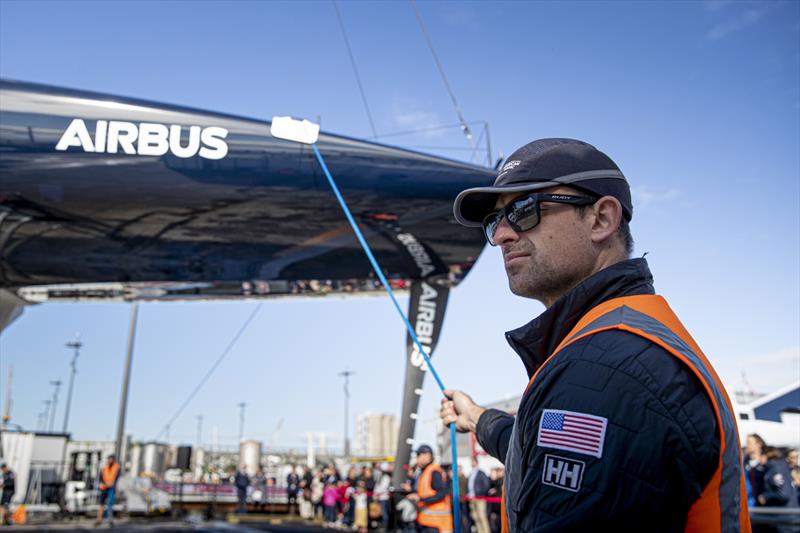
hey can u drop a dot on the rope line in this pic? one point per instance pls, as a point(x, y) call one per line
point(462, 122)
point(423, 130)
point(376, 267)
point(210, 372)
point(355, 68)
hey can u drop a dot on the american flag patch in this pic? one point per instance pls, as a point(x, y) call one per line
point(573, 432)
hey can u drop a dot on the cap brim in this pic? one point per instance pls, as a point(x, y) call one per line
point(472, 205)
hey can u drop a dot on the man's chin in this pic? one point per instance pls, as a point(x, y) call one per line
point(519, 287)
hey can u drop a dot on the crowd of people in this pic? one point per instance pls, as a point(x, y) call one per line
point(772, 475)
point(363, 498)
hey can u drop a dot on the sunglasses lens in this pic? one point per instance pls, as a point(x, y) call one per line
point(490, 226)
point(523, 214)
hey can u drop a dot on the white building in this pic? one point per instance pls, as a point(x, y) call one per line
point(775, 416)
point(375, 435)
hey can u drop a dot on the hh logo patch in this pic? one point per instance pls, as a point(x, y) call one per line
point(572, 431)
point(562, 472)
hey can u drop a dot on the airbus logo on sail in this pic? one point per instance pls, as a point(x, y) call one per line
point(145, 138)
point(418, 252)
point(425, 325)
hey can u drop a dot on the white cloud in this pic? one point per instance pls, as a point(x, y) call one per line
point(716, 5)
point(765, 372)
point(643, 196)
point(409, 115)
point(739, 21)
point(416, 119)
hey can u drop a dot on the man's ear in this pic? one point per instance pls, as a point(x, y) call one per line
point(607, 218)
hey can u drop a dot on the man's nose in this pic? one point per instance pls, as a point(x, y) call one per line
point(504, 233)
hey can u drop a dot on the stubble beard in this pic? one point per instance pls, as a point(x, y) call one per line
point(541, 279)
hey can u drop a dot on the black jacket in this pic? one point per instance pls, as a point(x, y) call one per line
point(660, 447)
point(778, 489)
point(241, 480)
point(481, 484)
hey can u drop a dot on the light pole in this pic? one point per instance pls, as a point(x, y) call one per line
point(46, 414)
point(126, 379)
point(57, 385)
point(241, 405)
point(199, 429)
point(76, 346)
point(346, 374)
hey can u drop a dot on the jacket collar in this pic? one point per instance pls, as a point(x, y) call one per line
point(536, 340)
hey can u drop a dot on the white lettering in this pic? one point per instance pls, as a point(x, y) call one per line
point(571, 473)
point(175, 141)
point(122, 134)
point(553, 470)
point(418, 253)
point(153, 139)
point(213, 137)
point(100, 135)
point(562, 473)
point(424, 325)
point(145, 138)
point(76, 134)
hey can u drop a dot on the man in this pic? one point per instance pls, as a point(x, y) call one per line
point(292, 484)
point(791, 460)
point(477, 491)
point(108, 489)
point(496, 478)
point(241, 481)
point(624, 424)
point(778, 490)
point(431, 495)
point(754, 467)
point(9, 487)
point(382, 493)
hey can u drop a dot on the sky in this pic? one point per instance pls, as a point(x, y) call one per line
point(697, 102)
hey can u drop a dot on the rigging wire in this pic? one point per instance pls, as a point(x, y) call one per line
point(477, 144)
point(423, 130)
point(210, 372)
point(463, 123)
point(355, 68)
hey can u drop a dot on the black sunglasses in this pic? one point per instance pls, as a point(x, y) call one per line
point(523, 214)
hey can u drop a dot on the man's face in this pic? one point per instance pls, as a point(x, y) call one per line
point(548, 260)
point(791, 458)
point(424, 459)
point(753, 446)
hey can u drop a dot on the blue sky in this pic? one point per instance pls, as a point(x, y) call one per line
point(698, 102)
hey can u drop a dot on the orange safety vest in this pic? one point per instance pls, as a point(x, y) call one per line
point(722, 506)
point(438, 514)
point(109, 476)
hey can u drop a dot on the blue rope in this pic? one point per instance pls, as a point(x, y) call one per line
point(379, 272)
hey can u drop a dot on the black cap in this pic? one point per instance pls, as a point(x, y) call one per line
point(547, 163)
point(424, 448)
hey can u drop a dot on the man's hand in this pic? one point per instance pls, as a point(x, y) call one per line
point(458, 407)
point(414, 497)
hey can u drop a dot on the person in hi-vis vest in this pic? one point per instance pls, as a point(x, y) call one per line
point(431, 493)
point(624, 424)
point(108, 489)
